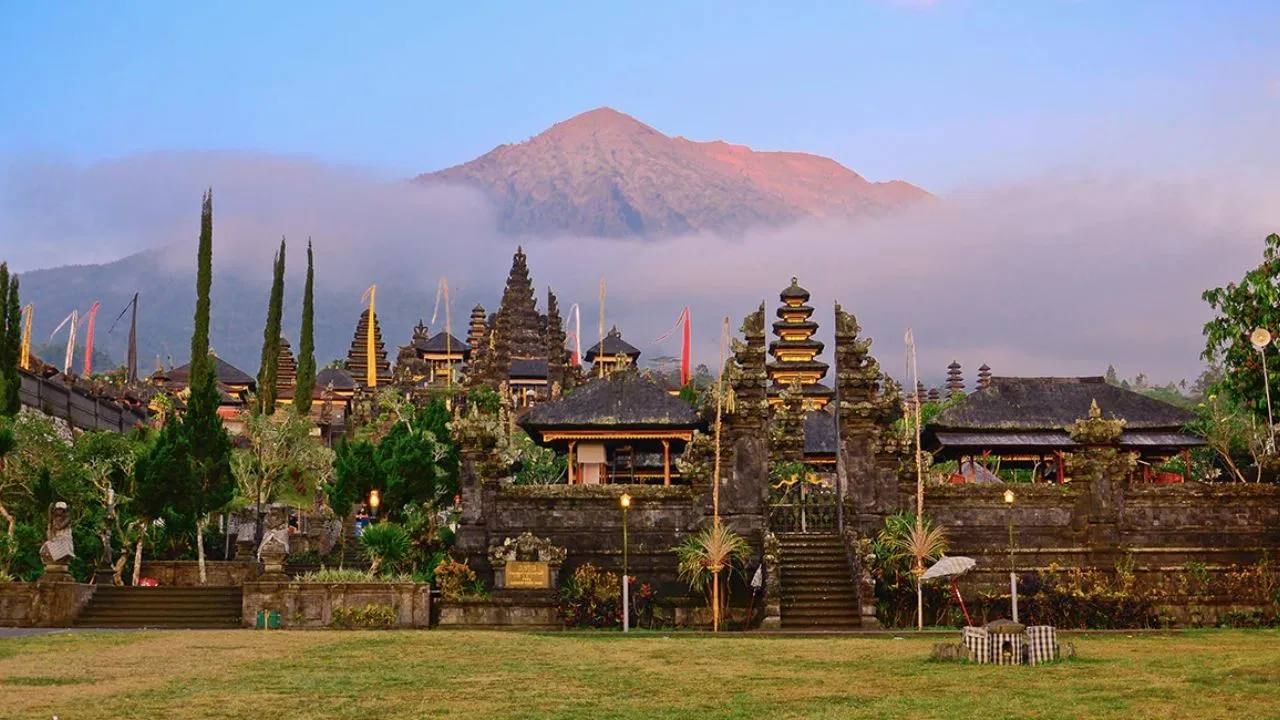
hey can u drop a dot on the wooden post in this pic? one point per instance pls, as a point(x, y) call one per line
point(571, 463)
point(1062, 466)
point(666, 462)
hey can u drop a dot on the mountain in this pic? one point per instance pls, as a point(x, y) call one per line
point(604, 173)
point(601, 173)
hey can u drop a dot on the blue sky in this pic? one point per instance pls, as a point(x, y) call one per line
point(947, 94)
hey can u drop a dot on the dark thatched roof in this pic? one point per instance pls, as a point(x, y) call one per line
point(1053, 403)
point(819, 433)
point(621, 400)
point(226, 373)
point(528, 369)
point(794, 292)
point(442, 342)
point(341, 379)
point(613, 345)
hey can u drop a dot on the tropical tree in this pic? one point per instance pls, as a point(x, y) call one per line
point(281, 461)
point(1240, 308)
point(386, 544)
point(704, 557)
point(306, 380)
point(911, 540)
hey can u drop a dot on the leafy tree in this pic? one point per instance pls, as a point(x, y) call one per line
point(281, 461)
point(306, 381)
point(355, 472)
point(1113, 377)
point(163, 480)
point(270, 363)
point(1239, 308)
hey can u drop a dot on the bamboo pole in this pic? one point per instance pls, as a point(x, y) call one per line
point(919, 529)
point(715, 488)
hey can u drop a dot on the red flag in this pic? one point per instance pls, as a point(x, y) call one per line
point(683, 320)
point(88, 340)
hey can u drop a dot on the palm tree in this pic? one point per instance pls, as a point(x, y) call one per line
point(912, 538)
point(703, 557)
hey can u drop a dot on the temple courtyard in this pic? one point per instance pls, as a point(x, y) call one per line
point(405, 674)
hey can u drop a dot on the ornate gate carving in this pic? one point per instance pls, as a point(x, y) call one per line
point(805, 505)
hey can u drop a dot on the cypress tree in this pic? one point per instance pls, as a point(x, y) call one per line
point(204, 441)
point(307, 343)
point(270, 363)
point(204, 282)
point(10, 343)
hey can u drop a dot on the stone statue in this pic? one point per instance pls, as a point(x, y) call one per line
point(275, 542)
point(58, 549)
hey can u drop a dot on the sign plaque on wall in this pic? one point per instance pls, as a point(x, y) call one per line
point(528, 574)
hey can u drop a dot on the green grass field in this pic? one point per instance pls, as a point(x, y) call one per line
point(441, 674)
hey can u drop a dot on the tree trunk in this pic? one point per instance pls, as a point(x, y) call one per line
point(137, 553)
point(4, 512)
point(200, 548)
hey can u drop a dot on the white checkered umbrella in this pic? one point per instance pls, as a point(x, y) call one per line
point(949, 567)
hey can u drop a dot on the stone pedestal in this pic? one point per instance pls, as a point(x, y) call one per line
point(273, 566)
point(526, 563)
point(56, 573)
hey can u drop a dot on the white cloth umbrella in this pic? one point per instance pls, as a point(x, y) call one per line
point(948, 567)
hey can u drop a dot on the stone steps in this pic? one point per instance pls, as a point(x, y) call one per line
point(817, 590)
point(163, 607)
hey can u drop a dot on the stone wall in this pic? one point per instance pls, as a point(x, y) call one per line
point(186, 573)
point(586, 520)
point(1159, 529)
point(42, 604)
point(311, 605)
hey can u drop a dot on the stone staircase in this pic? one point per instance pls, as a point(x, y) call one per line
point(162, 607)
point(818, 592)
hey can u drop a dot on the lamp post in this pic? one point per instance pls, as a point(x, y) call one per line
point(375, 499)
point(1260, 338)
point(1013, 575)
point(625, 502)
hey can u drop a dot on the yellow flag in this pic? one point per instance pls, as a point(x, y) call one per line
point(371, 360)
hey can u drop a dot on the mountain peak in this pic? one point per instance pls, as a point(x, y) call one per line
point(600, 120)
point(603, 172)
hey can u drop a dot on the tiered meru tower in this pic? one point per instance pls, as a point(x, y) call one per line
point(795, 352)
point(357, 356)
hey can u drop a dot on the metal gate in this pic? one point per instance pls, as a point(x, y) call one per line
point(803, 507)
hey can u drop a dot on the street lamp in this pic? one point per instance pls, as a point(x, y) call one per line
point(1013, 576)
point(1260, 338)
point(625, 502)
point(375, 499)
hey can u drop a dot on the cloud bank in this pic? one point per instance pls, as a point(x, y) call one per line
point(1061, 274)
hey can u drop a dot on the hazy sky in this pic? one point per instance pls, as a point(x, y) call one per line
point(1101, 163)
point(946, 93)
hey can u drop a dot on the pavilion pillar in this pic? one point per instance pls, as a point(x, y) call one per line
point(666, 462)
point(572, 463)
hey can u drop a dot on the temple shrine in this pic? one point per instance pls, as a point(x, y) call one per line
point(358, 355)
point(611, 354)
point(795, 365)
point(621, 428)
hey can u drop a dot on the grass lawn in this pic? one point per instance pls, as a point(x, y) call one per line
point(442, 674)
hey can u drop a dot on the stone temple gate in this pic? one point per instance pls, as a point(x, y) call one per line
point(839, 439)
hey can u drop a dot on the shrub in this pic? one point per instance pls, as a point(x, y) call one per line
point(455, 579)
point(337, 575)
point(367, 617)
point(591, 598)
point(385, 544)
